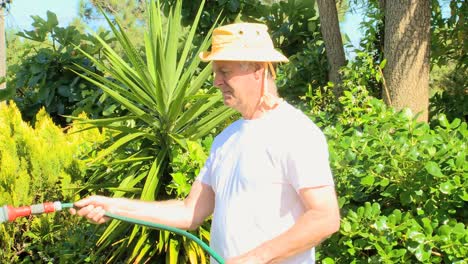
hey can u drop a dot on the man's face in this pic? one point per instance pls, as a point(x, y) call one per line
point(239, 83)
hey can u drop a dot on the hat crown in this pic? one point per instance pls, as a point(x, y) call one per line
point(243, 35)
point(242, 42)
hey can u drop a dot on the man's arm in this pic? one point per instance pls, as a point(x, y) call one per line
point(320, 219)
point(184, 214)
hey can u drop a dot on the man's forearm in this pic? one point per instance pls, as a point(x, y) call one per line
point(186, 214)
point(172, 212)
point(310, 229)
point(320, 220)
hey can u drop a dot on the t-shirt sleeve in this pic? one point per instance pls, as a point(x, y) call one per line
point(307, 163)
point(204, 175)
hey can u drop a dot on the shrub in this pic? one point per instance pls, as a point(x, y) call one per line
point(186, 163)
point(39, 164)
point(449, 86)
point(401, 185)
point(45, 77)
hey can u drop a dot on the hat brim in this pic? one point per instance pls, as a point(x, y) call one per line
point(266, 55)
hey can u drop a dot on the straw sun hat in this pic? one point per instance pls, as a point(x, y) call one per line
point(242, 42)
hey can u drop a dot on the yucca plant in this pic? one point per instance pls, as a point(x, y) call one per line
point(161, 90)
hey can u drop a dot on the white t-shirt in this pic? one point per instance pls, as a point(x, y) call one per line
point(256, 168)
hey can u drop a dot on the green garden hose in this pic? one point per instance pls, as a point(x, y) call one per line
point(9, 213)
point(178, 231)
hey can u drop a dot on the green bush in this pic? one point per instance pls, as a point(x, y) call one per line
point(402, 186)
point(186, 162)
point(449, 92)
point(39, 164)
point(45, 77)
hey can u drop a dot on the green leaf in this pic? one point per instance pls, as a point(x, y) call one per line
point(383, 63)
point(381, 224)
point(422, 253)
point(120, 142)
point(350, 155)
point(446, 187)
point(427, 226)
point(460, 160)
point(52, 20)
point(464, 196)
point(455, 123)
point(397, 253)
point(444, 230)
point(312, 26)
point(378, 76)
point(154, 175)
point(416, 236)
point(206, 124)
point(433, 169)
point(233, 5)
point(173, 253)
point(7, 93)
point(368, 180)
point(405, 198)
point(195, 111)
point(346, 226)
point(109, 110)
point(384, 182)
point(142, 252)
point(138, 251)
point(459, 228)
point(64, 90)
point(443, 121)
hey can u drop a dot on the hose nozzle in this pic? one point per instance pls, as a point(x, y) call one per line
point(10, 213)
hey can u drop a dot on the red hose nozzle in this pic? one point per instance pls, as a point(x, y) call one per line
point(10, 213)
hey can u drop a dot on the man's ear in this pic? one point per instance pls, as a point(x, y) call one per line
point(259, 70)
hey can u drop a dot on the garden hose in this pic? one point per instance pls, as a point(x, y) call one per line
point(10, 213)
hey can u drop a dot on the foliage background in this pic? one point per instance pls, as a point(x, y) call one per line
point(402, 185)
point(39, 164)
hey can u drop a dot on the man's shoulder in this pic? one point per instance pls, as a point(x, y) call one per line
point(227, 133)
point(294, 119)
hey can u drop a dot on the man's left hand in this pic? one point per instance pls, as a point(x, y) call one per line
point(245, 259)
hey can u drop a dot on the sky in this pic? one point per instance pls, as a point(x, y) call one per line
point(18, 17)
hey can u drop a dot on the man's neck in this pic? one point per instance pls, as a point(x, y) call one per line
point(255, 115)
point(262, 108)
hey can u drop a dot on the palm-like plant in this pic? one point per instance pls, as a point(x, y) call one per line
point(161, 92)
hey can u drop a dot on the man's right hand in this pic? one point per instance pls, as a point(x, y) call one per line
point(94, 208)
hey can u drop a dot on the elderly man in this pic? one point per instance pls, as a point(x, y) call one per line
point(267, 181)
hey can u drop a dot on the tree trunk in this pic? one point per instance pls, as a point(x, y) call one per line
point(406, 48)
point(2, 48)
point(330, 29)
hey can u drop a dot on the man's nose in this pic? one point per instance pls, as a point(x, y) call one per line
point(218, 80)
